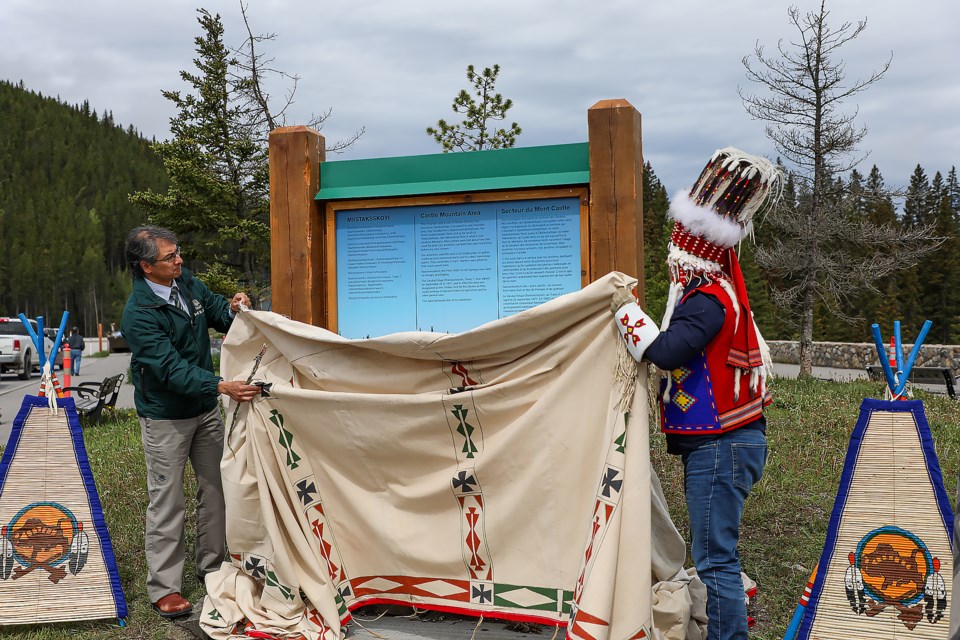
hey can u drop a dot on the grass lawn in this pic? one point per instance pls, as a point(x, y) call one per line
point(784, 526)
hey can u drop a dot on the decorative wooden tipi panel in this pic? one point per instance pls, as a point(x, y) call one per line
point(56, 559)
point(887, 566)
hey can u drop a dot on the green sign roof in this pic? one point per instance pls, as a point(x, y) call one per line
point(526, 167)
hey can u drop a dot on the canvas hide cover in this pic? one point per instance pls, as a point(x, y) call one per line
point(487, 473)
point(56, 557)
point(886, 569)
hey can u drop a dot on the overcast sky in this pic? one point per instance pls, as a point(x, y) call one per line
point(393, 67)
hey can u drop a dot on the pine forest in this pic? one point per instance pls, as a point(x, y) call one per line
point(66, 173)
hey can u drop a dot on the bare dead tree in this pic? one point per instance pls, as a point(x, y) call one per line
point(815, 249)
point(253, 69)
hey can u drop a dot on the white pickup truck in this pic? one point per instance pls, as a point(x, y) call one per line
point(17, 352)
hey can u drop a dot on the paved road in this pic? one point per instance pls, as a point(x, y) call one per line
point(12, 389)
point(823, 373)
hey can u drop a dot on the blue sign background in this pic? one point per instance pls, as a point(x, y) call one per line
point(450, 268)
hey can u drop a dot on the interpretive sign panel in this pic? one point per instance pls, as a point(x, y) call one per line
point(451, 267)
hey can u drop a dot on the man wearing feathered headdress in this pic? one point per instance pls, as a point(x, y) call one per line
point(712, 400)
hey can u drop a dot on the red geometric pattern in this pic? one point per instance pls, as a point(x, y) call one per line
point(601, 515)
point(577, 630)
point(473, 541)
point(451, 590)
point(475, 552)
point(608, 498)
point(631, 327)
point(460, 371)
point(318, 523)
point(314, 616)
point(466, 485)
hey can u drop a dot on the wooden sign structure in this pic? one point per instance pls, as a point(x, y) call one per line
point(605, 175)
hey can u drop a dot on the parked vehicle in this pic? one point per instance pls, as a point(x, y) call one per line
point(117, 342)
point(52, 334)
point(17, 352)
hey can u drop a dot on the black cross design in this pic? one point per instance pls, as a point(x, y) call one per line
point(305, 491)
point(482, 593)
point(463, 482)
point(609, 482)
point(455, 390)
point(255, 567)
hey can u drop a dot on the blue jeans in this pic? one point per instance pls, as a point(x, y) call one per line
point(717, 478)
point(75, 362)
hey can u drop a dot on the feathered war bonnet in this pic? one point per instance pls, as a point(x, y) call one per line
point(709, 221)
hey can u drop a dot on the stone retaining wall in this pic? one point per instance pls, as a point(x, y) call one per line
point(852, 355)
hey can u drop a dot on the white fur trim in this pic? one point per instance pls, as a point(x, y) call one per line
point(705, 222)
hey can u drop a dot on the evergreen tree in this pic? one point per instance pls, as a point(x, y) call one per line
point(219, 181)
point(880, 306)
point(909, 287)
point(953, 189)
point(656, 233)
point(917, 198)
point(66, 172)
point(478, 130)
point(938, 295)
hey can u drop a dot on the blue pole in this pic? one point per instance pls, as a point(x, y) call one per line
point(797, 618)
point(40, 349)
point(884, 361)
point(795, 621)
point(33, 334)
point(913, 356)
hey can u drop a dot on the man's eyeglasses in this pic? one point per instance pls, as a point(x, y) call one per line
point(170, 258)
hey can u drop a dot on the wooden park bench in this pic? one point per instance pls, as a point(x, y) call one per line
point(922, 375)
point(92, 397)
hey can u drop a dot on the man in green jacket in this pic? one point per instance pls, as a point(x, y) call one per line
point(176, 393)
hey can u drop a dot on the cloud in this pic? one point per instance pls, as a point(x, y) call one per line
point(394, 67)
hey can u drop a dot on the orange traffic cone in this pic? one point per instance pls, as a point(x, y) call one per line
point(67, 368)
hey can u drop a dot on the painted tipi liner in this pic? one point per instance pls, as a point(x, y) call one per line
point(886, 570)
point(56, 558)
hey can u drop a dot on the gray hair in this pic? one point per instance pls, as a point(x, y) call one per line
point(142, 246)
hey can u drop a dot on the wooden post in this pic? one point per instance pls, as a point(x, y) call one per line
point(296, 224)
point(616, 190)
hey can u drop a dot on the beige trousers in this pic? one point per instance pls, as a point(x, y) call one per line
point(167, 445)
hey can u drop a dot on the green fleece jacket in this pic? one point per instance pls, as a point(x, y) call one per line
point(171, 366)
